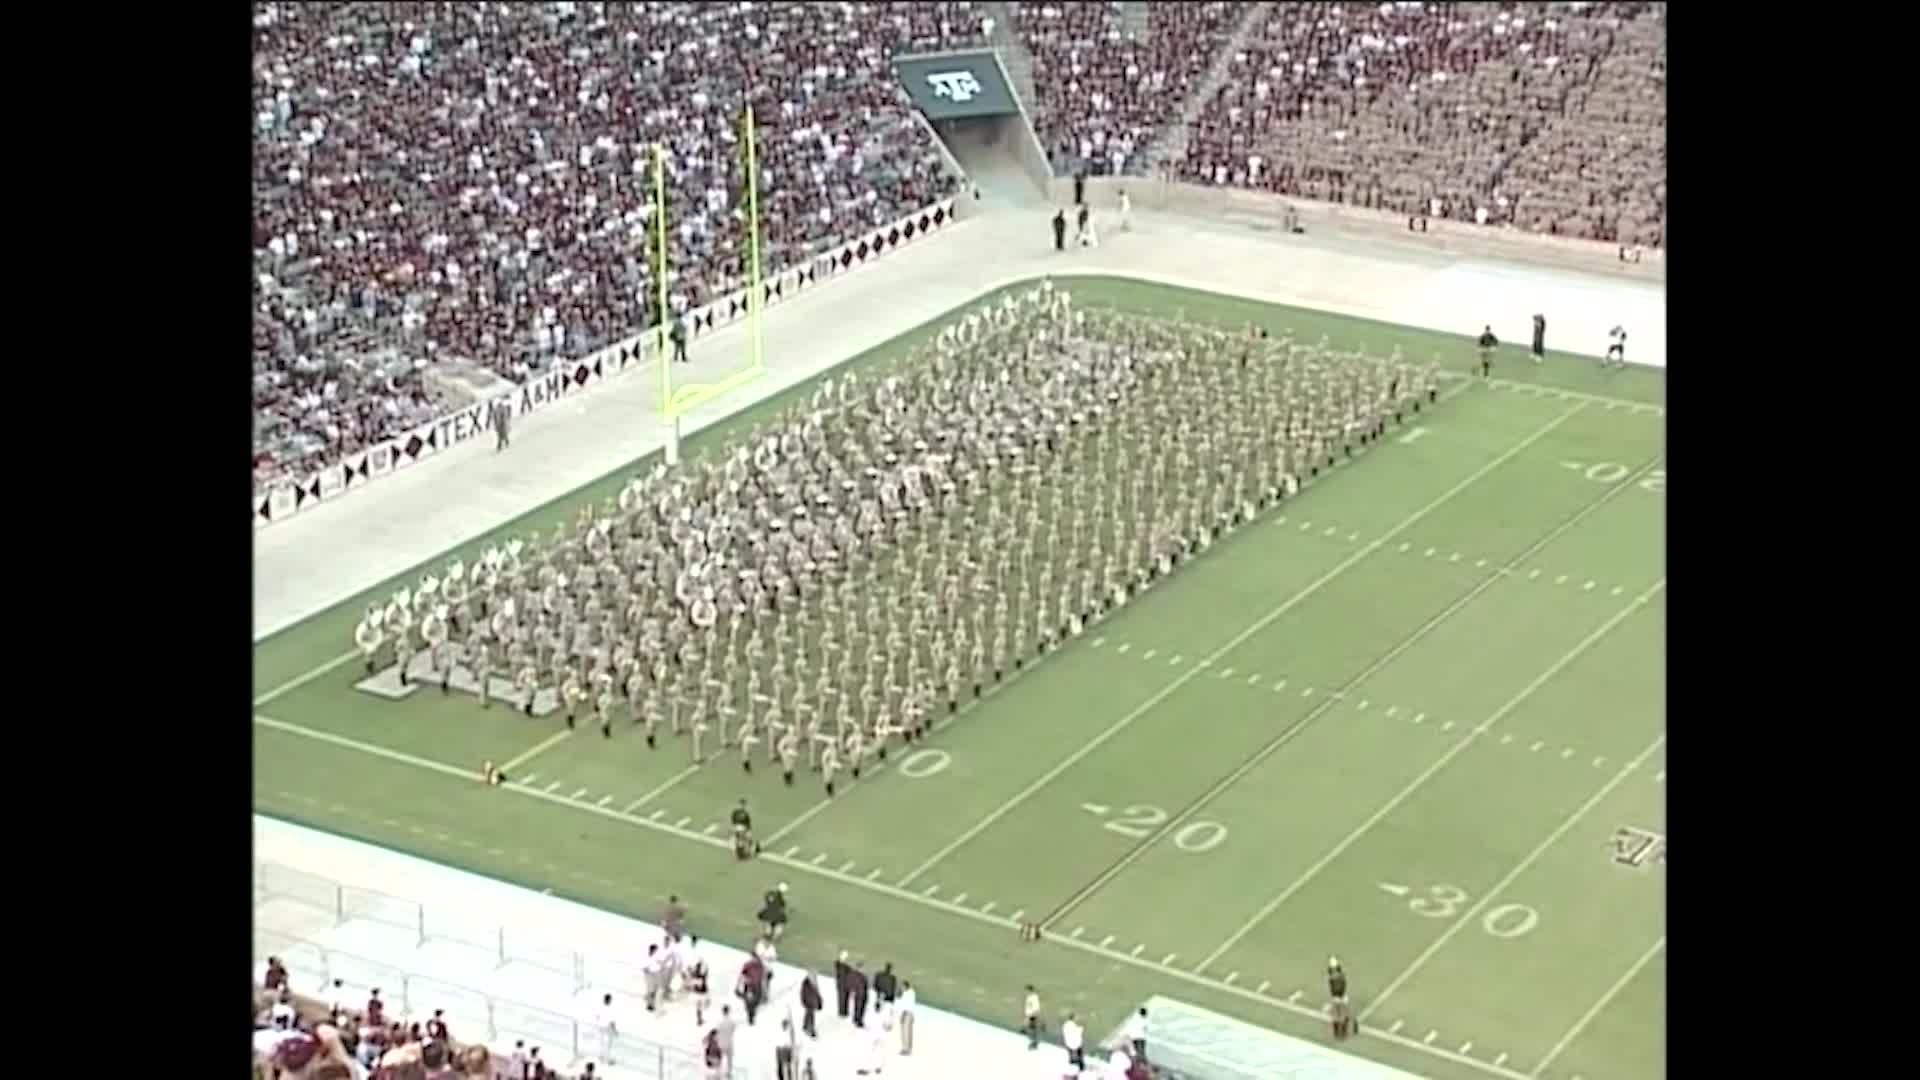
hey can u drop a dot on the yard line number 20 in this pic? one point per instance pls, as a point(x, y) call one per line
point(1139, 822)
point(1504, 921)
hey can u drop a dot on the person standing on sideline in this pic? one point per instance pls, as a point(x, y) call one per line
point(810, 1004)
point(501, 415)
point(1488, 343)
point(885, 985)
point(1060, 230)
point(860, 988)
point(908, 999)
point(723, 1035)
point(1075, 1038)
point(1080, 186)
point(1539, 338)
point(1080, 225)
point(1032, 1022)
point(1137, 1034)
point(678, 334)
point(604, 1024)
point(1126, 211)
point(842, 985)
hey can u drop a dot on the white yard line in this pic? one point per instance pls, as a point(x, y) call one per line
point(293, 684)
point(662, 788)
point(1420, 781)
point(539, 748)
point(1514, 874)
point(893, 891)
point(1554, 391)
point(1606, 999)
point(1207, 662)
point(1240, 772)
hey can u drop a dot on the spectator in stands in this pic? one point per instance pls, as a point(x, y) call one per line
point(275, 977)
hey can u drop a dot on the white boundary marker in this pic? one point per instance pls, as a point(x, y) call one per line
point(1514, 874)
point(1420, 781)
point(1214, 657)
point(538, 748)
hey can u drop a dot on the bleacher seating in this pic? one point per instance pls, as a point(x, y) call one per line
point(1551, 118)
point(1103, 97)
point(437, 181)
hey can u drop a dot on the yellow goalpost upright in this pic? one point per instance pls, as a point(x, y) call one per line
point(677, 402)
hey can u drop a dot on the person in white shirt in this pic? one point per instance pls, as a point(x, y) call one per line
point(1075, 1038)
point(1033, 1018)
point(1136, 1029)
point(604, 1025)
point(1118, 1065)
point(1617, 351)
point(908, 999)
point(1126, 211)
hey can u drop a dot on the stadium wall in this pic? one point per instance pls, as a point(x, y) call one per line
point(1265, 210)
point(289, 496)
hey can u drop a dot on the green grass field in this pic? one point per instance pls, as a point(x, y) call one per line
point(1399, 718)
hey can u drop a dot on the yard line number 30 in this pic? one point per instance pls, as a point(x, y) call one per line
point(1612, 472)
point(1504, 921)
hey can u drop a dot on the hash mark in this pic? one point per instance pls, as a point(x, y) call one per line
point(1419, 718)
point(1598, 762)
point(1331, 530)
point(1533, 573)
point(1226, 673)
point(1306, 691)
point(1506, 738)
point(874, 873)
point(956, 901)
point(1106, 941)
point(1455, 557)
point(1293, 997)
point(1281, 520)
point(1397, 1025)
point(987, 908)
point(1306, 526)
point(1391, 709)
point(1017, 914)
point(1123, 647)
point(1263, 988)
point(1279, 686)
point(1617, 590)
point(1481, 563)
point(1536, 747)
point(1448, 726)
point(1099, 641)
point(1232, 975)
point(1253, 680)
point(1363, 704)
point(1588, 587)
point(792, 851)
point(846, 867)
point(1429, 553)
point(578, 793)
point(1404, 545)
point(1432, 1034)
point(711, 828)
point(930, 890)
point(1567, 753)
point(1077, 931)
point(683, 823)
point(1168, 962)
point(1660, 777)
point(1499, 1061)
point(1148, 655)
point(1466, 1047)
point(550, 787)
point(530, 778)
point(656, 815)
point(1561, 580)
point(1175, 661)
point(1138, 949)
point(1353, 538)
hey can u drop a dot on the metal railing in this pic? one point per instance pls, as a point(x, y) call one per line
point(346, 978)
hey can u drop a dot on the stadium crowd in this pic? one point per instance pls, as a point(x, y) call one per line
point(1551, 118)
point(1103, 94)
point(440, 181)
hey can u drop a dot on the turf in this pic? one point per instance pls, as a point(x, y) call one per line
point(1398, 718)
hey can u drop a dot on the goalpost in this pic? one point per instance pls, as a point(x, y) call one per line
point(675, 403)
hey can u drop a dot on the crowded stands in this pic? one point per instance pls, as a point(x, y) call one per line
point(1551, 118)
point(474, 182)
point(1103, 97)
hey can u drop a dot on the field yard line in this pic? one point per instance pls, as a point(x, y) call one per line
point(662, 788)
point(1514, 874)
point(1606, 999)
point(1420, 781)
point(893, 891)
point(539, 748)
point(1554, 391)
point(299, 681)
point(1240, 772)
point(1208, 661)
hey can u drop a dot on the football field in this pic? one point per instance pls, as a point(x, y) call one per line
point(1413, 717)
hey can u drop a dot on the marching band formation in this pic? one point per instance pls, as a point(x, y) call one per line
point(898, 544)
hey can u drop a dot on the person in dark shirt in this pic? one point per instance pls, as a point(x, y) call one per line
point(842, 985)
point(809, 1002)
point(885, 985)
point(1539, 338)
point(860, 989)
point(1338, 1009)
point(773, 911)
point(1488, 343)
point(1059, 230)
point(743, 843)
